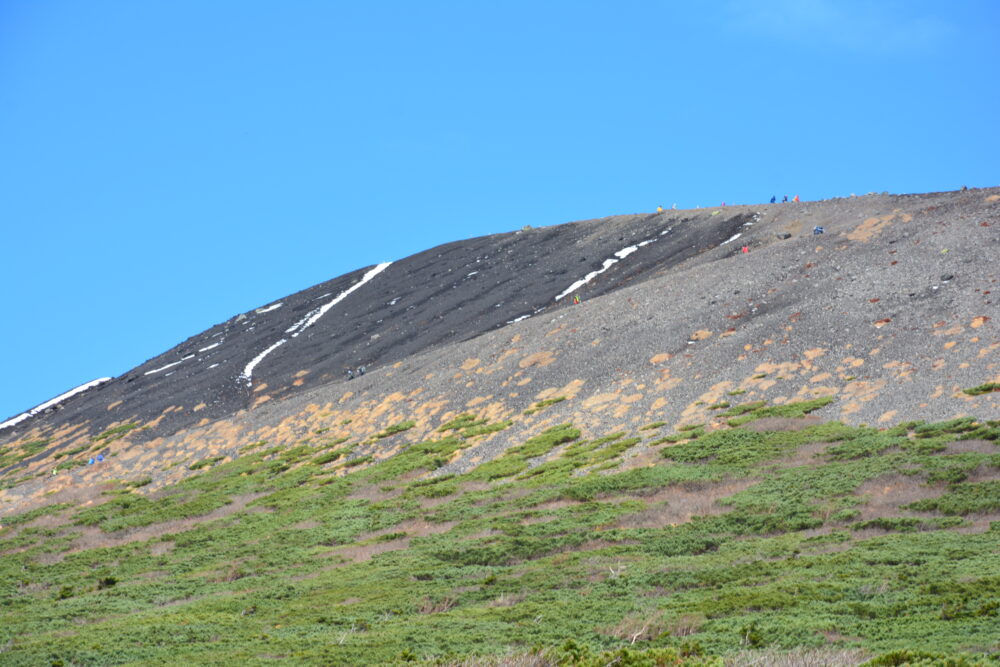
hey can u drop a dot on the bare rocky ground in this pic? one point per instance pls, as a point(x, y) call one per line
point(891, 312)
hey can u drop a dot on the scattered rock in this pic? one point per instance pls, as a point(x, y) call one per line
point(946, 277)
point(784, 235)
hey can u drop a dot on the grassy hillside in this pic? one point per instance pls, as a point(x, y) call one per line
point(777, 533)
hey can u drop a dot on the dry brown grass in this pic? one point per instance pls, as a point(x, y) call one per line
point(847, 657)
point(808, 454)
point(640, 626)
point(375, 493)
point(885, 495)
point(161, 548)
point(984, 473)
point(679, 504)
point(361, 553)
point(508, 599)
point(431, 606)
point(94, 538)
point(685, 625)
point(974, 446)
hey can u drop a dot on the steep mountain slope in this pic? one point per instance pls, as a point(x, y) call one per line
point(890, 310)
point(615, 422)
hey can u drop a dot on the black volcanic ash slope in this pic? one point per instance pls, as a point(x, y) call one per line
point(450, 293)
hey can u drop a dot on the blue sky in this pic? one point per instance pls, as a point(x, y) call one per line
point(165, 165)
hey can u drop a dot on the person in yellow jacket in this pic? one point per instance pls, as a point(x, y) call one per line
point(659, 209)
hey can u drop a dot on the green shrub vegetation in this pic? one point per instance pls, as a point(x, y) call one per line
point(982, 389)
point(559, 550)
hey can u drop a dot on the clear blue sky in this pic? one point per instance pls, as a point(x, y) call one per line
point(167, 164)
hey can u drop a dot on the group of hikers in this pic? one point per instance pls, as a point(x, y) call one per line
point(774, 200)
point(351, 373)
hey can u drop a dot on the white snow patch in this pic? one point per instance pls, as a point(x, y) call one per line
point(48, 404)
point(213, 365)
point(625, 252)
point(469, 275)
point(518, 319)
point(248, 371)
point(310, 320)
point(393, 302)
point(314, 316)
point(261, 311)
point(209, 347)
point(163, 368)
point(731, 239)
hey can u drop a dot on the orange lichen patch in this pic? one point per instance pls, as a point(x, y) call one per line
point(660, 358)
point(523, 381)
point(860, 392)
point(620, 411)
point(505, 355)
point(478, 400)
point(695, 411)
point(784, 370)
point(298, 383)
point(870, 228)
point(632, 398)
point(953, 331)
point(987, 350)
point(906, 217)
point(469, 364)
point(887, 417)
point(993, 198)
point(852, 362)
point(301, 374)
point(821, 377)
point(543, 358)
point(200, 406)
point(261, 387)
point(570, 390)
point(938, 392)
point(950, 344)
point(701, 334)
point(599, 402)
point(658, 404)
point(938, 364)
point(817, 392)
point(114, 405)
point(664, 381)
point(556, 330)
point(878, 324)
point(979, 321)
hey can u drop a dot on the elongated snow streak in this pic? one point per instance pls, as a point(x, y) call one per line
point(170, 365)
point(310, 320)
point(48, 404)
point(314, 316)
point(248, 371)
point(731, 238)
point(608, 263)
point(261, 311)
point(209, 347)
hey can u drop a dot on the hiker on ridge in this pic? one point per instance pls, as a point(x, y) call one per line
point(773, 198)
